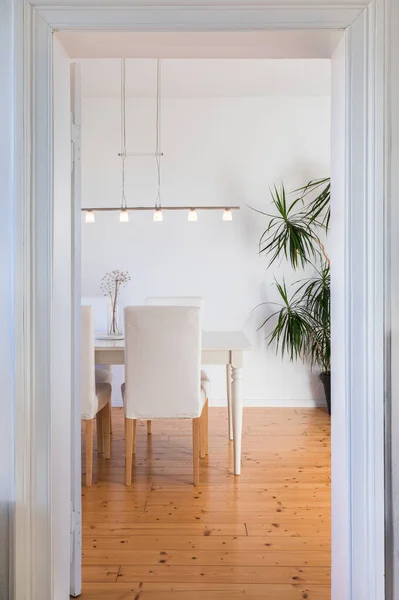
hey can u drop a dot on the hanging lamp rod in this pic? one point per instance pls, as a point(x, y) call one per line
point(117, 209)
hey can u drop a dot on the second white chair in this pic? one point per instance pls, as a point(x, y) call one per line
point(99, 306)
point(96, 397)
point(163, 374)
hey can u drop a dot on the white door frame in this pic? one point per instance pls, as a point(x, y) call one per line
point(361, 208)
point(76, 412)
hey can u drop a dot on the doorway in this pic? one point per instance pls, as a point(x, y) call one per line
point(350, 435)
point(229, 129)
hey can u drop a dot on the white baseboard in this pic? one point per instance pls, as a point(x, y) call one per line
point(270, 403)
point(218, 402)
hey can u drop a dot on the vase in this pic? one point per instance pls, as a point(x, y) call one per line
point(114, 320)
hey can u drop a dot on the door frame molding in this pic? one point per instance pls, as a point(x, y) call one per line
point(358, 474)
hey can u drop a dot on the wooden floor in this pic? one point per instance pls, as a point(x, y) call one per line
point(264, 534)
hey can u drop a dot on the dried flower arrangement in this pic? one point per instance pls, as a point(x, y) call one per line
point(111, 284)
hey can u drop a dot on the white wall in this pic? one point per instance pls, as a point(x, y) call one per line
point(217, 151)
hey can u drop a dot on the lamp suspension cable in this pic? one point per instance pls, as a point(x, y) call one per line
point(124, 215)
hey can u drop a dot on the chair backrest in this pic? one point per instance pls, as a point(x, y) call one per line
point(162, 362)
point(99, 305)
point(88, 385)
point(175, 301)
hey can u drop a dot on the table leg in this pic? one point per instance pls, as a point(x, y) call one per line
point(236, 390)
point(228, 385)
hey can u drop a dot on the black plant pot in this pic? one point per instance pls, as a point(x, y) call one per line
point(326, 381)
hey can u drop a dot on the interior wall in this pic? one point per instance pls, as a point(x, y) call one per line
point(221, 150)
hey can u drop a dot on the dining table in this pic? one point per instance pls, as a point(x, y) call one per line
point(218, 348)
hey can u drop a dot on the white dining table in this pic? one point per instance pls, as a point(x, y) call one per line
point(218, 348)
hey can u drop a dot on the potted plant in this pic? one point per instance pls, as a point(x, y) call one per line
point(301, 324)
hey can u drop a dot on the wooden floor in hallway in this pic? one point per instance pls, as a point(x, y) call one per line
point(264, 534)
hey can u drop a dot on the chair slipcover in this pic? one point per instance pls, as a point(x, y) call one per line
point(99, 305)
point(175, 301)
point(94, 395)
point(162, 362)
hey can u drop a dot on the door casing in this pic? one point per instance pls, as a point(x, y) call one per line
point(361, 218)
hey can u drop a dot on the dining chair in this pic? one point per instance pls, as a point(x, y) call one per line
point(99, 306)
point(163, 374)
point(175, 301)
point(196, 301)
point(178, 301)
point(96, 397)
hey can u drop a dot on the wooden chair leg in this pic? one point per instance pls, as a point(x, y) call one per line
point(100, 432)
point(204, 431)
point(129, 445)
point(206, 419)
point(106, 413)
point(149, 427)
point(196, 448)
point(110, 418)
point(134, 435)
point(89, 452)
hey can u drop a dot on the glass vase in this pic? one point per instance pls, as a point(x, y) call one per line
point(114, 320)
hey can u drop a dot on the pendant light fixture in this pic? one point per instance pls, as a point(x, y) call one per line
point(158, 204)
point(157, 215)
point(89, 217)
point(158, 209)
point(192, 215)
point(123, 215)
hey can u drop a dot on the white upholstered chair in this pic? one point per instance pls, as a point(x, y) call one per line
point(163, 374)
point(179, 301)
point(175, 301)
point(96, 397)
point(99, 305)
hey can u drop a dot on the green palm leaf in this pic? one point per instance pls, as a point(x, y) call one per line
point(301, 324)
point(288, 234)
point(319, 206)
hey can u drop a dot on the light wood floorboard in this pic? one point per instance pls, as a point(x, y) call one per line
point(264, 534)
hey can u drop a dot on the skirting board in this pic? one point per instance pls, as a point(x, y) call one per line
point(292, 403)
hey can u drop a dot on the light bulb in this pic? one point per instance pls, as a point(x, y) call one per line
point(158, 215)
point(227, 215)
point(89, 217)
point(192, 215)
point(124, 216)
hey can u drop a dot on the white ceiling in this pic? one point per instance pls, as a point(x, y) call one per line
point(253, 44)
point(201, 78)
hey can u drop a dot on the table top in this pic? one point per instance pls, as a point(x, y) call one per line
point(211, 340)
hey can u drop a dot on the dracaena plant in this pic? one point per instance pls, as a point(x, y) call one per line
point(301, 322)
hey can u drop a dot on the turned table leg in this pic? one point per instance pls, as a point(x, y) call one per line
point(236, 389)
